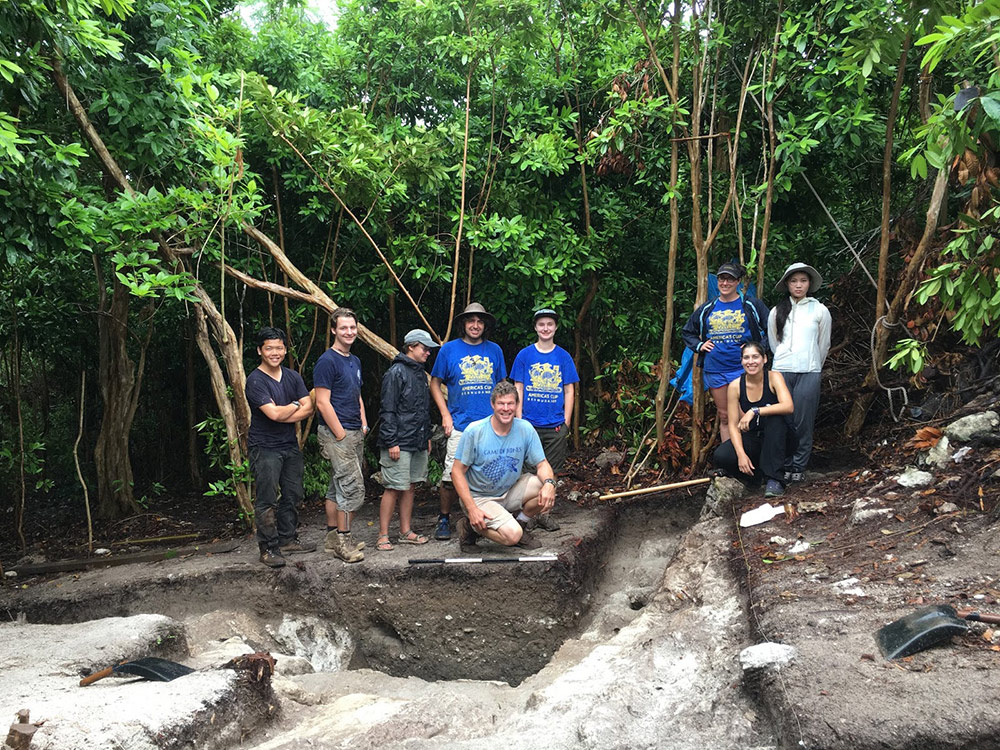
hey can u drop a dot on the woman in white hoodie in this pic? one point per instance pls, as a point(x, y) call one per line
point(798, 330)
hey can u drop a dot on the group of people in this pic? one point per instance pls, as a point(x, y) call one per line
point(766, 414)
point(505, 440)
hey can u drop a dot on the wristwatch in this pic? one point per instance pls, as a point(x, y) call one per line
point(297, 404)
point(756, 411)
point(550, 481)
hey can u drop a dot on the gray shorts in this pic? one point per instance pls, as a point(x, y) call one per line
point(449, 455)
point(503, 507)
point(406, 471)
point(347, 483)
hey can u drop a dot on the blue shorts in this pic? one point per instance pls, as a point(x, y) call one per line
point(720, 379)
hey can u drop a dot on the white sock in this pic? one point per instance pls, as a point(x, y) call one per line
point(522, 518)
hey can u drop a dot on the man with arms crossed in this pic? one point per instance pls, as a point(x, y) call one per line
point(499, 500)
point(342, 429)
point(468, 367)
point(546, 378)
point(278, 399)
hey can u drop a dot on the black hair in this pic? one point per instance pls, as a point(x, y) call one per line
point(759, 346)
point(781, 312)
point(269, 332)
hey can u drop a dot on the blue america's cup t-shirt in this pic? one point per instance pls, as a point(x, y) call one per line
point(544, 374)
point(493, 462)
point(342, 375)
point(469, 372)
point(727, 327)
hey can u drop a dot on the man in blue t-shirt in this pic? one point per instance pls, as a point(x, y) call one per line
point(278, 399)
point(468, 367)
point(341, 432)
point(488, 479)
point(546, 378)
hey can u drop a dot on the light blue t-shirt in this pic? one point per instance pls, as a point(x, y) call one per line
point(543, 376)
point(493, 462)
point(470, 372)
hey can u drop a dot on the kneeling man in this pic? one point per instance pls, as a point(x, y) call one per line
point(498, 499)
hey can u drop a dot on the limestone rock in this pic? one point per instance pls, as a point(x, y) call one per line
point(973, 426)
point(913, 477)
point(938, 455)
point(767, 655)
point(722, 493)
point(866, 509)
point(608, 459)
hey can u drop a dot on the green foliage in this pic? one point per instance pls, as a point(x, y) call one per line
point(909, 354)
point(213, 430)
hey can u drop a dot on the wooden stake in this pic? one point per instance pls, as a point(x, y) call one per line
point(660, 488)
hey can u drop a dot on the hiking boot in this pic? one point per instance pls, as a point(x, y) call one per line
point(330, 544)
point(296, 547)
point(272, 558)
point(467, 536)
point(546, 522)
point(341, 546)
point(773, 488)
point(527, 541)
point(793, 476)
point(443, 530)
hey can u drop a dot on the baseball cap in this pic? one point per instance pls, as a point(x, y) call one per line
point(546, 312)
point(420, 336)
point(730, 269)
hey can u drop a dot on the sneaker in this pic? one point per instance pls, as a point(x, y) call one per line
point(793, 476)
point(272, 558)
point(773, 488)
point(443, 530)
point(467, 536)
point(296, 547)
point(341, 546)
point(527, 541)
point(546, 522)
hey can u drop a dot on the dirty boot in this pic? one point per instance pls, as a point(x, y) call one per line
point(527, 541)
point(467, 536)
point(546, 521)
point(337, 543)
point(331, 544)
point(272, 558)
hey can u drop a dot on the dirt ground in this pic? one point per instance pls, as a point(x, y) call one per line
point(863, 551)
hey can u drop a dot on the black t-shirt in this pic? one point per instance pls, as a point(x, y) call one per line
point(263, 389)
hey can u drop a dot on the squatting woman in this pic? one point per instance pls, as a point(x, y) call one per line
point(758, 428)
point(799, 335)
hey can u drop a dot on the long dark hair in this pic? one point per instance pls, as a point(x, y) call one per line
point(781, 312)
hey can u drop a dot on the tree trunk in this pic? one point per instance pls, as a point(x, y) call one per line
point(117, 381)
point(666, 367)
point(191, 408)
point(883, 248)
point(772, 162)
point(862, 403)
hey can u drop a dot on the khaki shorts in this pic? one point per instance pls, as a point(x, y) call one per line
point(347, 483)
point(503, 508)
point(406, 471)
point(449, 454)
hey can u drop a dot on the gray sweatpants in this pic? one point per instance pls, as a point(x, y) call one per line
point(804, 387)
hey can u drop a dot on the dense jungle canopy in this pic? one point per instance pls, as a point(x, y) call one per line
point(174, 174)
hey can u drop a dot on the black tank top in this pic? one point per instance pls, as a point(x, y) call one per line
point(767, 397)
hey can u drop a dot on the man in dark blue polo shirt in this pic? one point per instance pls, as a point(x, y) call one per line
point(278, 399)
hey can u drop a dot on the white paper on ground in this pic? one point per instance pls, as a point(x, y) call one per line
point(759, 515)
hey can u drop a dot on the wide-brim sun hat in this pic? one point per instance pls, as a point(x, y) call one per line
point(815, 280)
point(475, 309)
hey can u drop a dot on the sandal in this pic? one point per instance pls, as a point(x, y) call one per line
point(384, 546)
point(411, 537)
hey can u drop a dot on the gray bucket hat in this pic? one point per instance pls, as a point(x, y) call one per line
point(815, 280)
point(420, 336)
point(476, 309)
